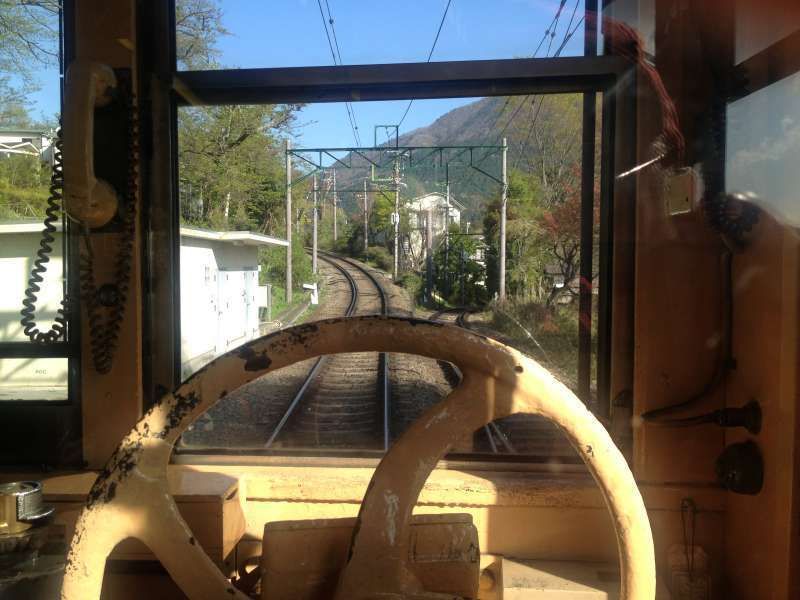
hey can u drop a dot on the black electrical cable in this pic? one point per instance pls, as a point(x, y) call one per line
point(567, 36)
point(430, 54)
point(549, 32)
point(327, 34)
point(52, 215)
point(338, 61)
point(747, 416)
point(502, 111)
point(730, 215)
point(724, 364)
point(105, 306)
point(546, 34)
point(348, 105)
point(333, 31)
point(350, 111)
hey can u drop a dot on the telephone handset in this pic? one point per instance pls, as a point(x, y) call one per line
point(87, 200)
point(90, 203)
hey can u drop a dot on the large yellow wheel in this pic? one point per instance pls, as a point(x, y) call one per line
point(131, 499)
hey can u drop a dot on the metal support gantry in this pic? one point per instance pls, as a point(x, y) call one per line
point(379, 157)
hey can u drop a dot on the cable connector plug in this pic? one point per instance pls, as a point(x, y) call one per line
point(747, 416)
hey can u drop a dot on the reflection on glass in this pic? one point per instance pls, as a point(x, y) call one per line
point(33, 379)
point(249, 33)
point(763, 143)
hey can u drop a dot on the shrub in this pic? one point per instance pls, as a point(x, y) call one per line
point(380, 257)
point(273, 265)
point(413, 283)
point(549, 334)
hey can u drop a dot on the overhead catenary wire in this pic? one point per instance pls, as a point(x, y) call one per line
point(348, 105)
point(430, 54)
point(336, 55)
point(568, 33)
point(545, 35)
point(550, 33)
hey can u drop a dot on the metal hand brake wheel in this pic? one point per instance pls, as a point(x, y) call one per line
point(131, 499)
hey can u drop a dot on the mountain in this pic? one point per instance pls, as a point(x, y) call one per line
point(543, 134)
point(469, 124)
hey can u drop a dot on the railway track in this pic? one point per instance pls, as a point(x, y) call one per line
point(515, 434)
point(344, 401)
point(491, 438)
point(348, 404)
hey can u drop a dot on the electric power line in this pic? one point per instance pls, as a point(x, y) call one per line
point(568, 33)
point(430, 54)
point(351, 116)
point(550, 32)
point(348, 105)
point(547, 31)
point(327, 34)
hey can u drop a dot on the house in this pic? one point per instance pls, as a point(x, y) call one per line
point(222, 303)
point(28, 142)
point(443, 211)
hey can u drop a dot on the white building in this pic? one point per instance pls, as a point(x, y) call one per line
point(29, 142)
point(439, 207)
point(26, 378)
point(220, 295)
point(220, 300)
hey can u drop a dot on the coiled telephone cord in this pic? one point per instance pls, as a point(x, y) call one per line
point(104, 328)
point(110, 299)
point(53, 213)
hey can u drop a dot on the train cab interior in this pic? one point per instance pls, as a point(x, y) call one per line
point(425, 300)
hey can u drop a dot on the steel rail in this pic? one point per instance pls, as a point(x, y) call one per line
point(492, 430)
point(383, 359)
point(312, 374)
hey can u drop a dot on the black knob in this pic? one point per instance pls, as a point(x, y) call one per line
point(108, 295)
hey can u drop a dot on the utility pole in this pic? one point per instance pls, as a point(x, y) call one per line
point(366, 220)
point(503, 202)
point(288, 221)
point(462, 278)
point(447, 237)
point(335, 232)
point(396, 270)
point(314, 231)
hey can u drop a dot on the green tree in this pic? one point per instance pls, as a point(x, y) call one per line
point(525, 255)
point(28, 38)
point(198, 26)
point(381, 228)
point(231, 166)
point(457, 269)
point(28, 42)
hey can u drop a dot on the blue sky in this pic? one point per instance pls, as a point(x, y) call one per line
point(266, 33)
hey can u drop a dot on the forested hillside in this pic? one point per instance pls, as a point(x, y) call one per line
point(543, 135)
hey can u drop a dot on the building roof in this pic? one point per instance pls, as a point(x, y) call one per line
point(453, 202)
point(21, 131)
point(239, 238)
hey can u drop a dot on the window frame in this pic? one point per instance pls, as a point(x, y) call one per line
point(48, 433)
point(611, 76)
